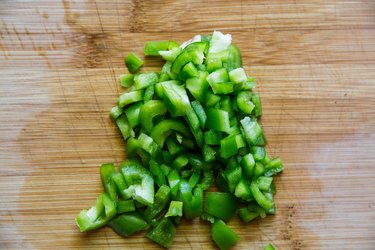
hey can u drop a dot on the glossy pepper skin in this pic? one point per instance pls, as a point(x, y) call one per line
point(223, 235)
point(98, 215)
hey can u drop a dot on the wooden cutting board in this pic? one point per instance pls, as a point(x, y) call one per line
point(314, 64)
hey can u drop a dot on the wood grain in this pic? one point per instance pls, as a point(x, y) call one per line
point(314, 62)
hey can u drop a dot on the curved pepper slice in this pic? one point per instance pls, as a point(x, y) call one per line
point(128, 224)
point(162, 130)
point(194, 53)
point(192, 200)
point(175, 97)
point(148, 111)
point(139, 180)
point(98, 215)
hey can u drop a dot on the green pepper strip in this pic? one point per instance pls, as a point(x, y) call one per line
point(251, 130)
point(132, 114)
point(139, 181)
point(148, 111)
point(221, 205)
point(162, 198)
point(130, 97)
point(246, 215)
point(157, 173)
point(163, 233)
point(106, 170)
point(223, 235)
point(98, 215)
point(128, 224)
point(248, 165)
point(262, 200)
point(234, 59)
point(273, 167)
point(162, 130)
point(143, 80)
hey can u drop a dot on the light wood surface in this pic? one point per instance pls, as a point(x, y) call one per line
point(313, 61)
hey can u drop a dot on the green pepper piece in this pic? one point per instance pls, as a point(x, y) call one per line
point(248, 165)
point(244, 102)
point(175, 209)
point(213, 62)
point(163, 232)
point(132, 114)
point(150, 110)
point(194, 178)
point(122, 188)
point(139, 180)
point(124, 126)
point(221, 205)
point(198, 86)
point(144, 80)
point(130, 97)
point(260, 198)
point(162, 198)
point(237, 75)
point(209, 155)
point(152, 48)
point(98, 215)
point(234, 59)
point(211, 99)
point(251, 130)
point(223, 235)
point(264, 183)
point(233, 176)
point(162, 130)
point(230, 145)
point(125, 206)
point(222, 87)
point(133, 62)
point(175, 97)
point(255, 99)
point(170, 55)
point(149, 93)
point(246, 215)
point(218, 76)
point(128, 224)
point(126, 80)
point(243, 191)
point(194, 53)
point(157, 173)
point(115, 112)
point(180, 162)
point(217, 119)
point(273, 167)
point(258, 153)
point(106, 170)
point(212, 137)
point(188, 71)
point(193, 202)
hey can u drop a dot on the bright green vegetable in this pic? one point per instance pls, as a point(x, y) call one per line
point(223, 235)
point(193, 122)
point(133, 62)
point(220, 205)
point(128, 224)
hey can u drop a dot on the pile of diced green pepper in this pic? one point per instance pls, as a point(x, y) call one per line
point(190, 125)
